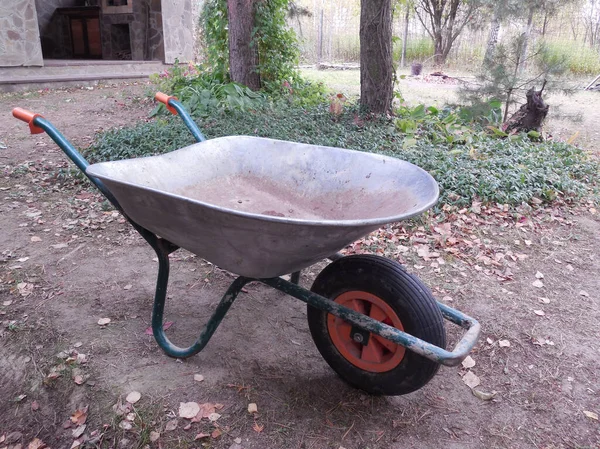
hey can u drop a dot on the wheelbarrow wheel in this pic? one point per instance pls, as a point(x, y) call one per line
point(382, 289)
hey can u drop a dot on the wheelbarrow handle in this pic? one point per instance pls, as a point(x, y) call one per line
point(28, 117)
point(410, 342)
point(175, 107)
point(38, 124)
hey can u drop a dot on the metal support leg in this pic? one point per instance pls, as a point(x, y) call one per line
point(159, 306)
point(295, 277)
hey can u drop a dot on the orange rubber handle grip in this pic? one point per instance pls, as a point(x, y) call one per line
point(164, 98)
point(27, 116)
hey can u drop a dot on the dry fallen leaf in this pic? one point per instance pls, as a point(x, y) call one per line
point(482, 394)
point(171, 425)
point(25, 288)
point(78, 431)
point(468, 362)
point(504, 343)
point(7, 303)
point(154, 436)
point(252, 408)
point(591, 415)
point(205, 410)
point(201, 435)
point(216, 433)
point(166, 325)
point(537, 284)
point(103, 321)
point(213, 417)
point(35, 406)
point(188, 426)
point(198, 377)
point(188, 410)
point(238, 440)
point(257, 427)
point(79, 417)
point(133, 397)
point(125, 425)
point(471, 380)
point(36, 443)
point(78, 379)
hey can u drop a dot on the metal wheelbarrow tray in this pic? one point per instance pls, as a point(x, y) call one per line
point(262, 208)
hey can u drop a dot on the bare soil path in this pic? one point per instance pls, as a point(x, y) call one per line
point(66, 262)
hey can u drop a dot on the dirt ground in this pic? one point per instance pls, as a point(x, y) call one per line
point(66, 262)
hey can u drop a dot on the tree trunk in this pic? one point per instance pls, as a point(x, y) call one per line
point(376, 69)
point(531, 115)
point(492, 39)
point(438, 49)
point(405, 38)
point(243, 53)
point(525, 42)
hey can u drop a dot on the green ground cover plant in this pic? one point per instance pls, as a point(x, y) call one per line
point(470, 160)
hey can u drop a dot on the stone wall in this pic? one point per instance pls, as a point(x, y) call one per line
point(178, 28)
point(19, 34)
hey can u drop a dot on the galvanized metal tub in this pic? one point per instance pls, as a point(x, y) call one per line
point(261, 207)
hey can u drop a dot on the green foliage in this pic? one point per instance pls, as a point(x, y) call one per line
point(278, 50)
point(203, 92)
point(503, 80)
point(213, 22)
point(204, 89)
point(466, 160)
point(416, 49)
point(579, 59)
point(143, 139)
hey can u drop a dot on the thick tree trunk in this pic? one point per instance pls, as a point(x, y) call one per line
point(376, 69)
point(405, 37)
point(492, 39)
point(243, 55)
point(531, 115)
point(438, 50)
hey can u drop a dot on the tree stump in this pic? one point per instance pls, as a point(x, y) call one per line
point(531, 115)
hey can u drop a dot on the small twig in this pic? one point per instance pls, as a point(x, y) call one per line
point(348, 431)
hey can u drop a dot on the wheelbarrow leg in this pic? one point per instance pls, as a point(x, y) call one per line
point(163, 250)
point(295, 277)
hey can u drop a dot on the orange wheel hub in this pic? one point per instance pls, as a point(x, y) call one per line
point(378, 355)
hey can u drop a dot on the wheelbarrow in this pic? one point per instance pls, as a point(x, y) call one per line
point(264, 208)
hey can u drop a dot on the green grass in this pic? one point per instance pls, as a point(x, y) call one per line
point(509, 171)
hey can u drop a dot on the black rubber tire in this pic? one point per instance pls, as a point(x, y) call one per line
point(406, 295)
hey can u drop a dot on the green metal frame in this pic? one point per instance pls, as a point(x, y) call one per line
point(163, 248)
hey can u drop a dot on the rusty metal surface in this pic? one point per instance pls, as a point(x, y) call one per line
point(261, 207)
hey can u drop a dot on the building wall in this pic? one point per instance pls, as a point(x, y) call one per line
point(178, 28)
point(19, 34)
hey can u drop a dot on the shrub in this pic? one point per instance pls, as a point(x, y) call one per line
point(580, 59)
